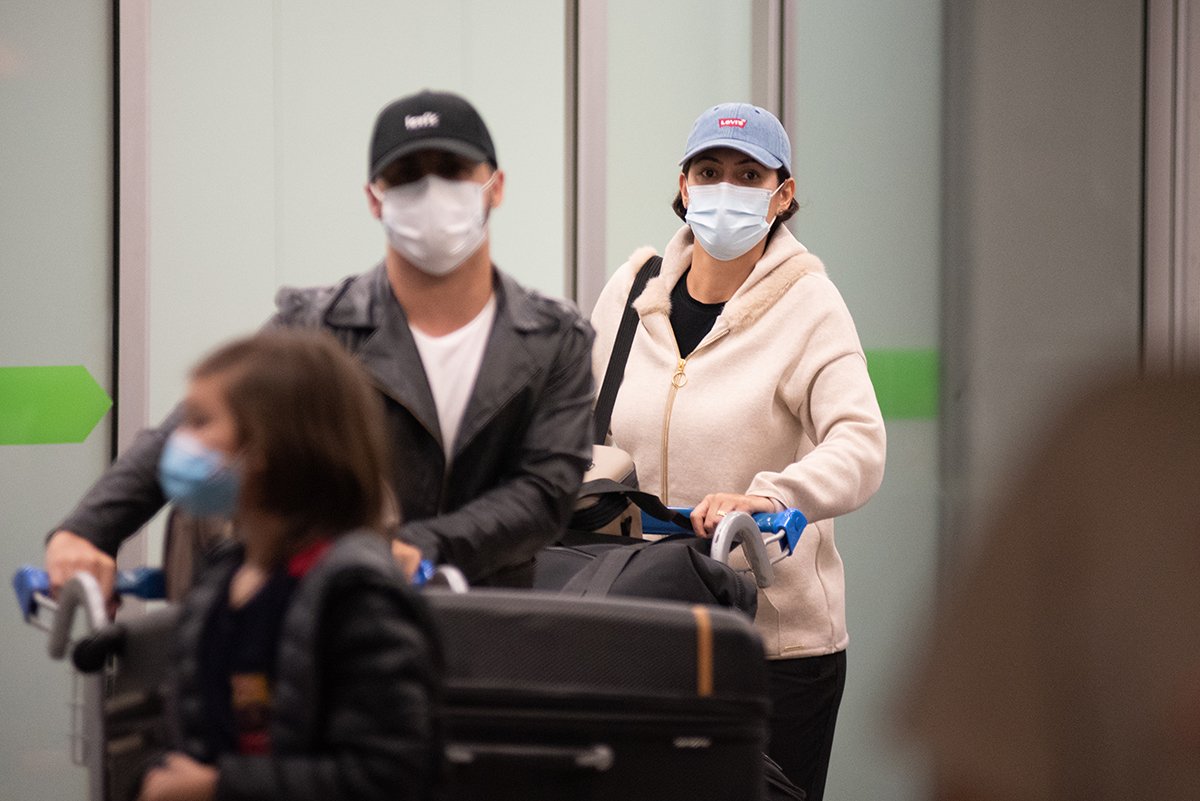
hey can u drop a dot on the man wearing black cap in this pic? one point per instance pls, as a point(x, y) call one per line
point(487, 385)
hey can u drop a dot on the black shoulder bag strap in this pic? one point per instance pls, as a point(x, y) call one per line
point(608, 570)
point(615, 372)
point(650, 504)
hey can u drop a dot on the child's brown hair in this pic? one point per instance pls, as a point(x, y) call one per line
point(311, 426)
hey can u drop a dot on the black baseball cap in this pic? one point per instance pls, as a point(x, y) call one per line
point(429, 121)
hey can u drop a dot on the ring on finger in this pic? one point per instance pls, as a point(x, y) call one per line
point(722, 513)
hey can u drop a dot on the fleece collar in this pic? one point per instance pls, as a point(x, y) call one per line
point(784, 263)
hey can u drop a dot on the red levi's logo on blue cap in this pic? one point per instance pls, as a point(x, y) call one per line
point(731, 122)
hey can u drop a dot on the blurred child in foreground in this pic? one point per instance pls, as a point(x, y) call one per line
point(305, 667)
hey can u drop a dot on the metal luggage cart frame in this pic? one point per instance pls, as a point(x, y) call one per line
point(82, 593)
point(116, 717)
point(117, 713)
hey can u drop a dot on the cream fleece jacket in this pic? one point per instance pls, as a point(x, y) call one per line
point(774, 401)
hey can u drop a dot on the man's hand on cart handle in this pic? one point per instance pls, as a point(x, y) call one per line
point(408, 557)
point(67, 553)
point(179, 777)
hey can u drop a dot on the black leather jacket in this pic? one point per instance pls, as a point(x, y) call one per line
point(521, 450)
point(355, 688)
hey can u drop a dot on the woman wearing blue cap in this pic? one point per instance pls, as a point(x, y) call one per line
point(746, 389)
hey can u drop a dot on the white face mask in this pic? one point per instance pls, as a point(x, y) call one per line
point(435, 223)
point(727, 219)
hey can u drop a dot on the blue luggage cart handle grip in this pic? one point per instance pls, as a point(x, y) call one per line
point(141, 582)
point(147, 583)
point(790, 521)
point(29, 582)
point(425, 571)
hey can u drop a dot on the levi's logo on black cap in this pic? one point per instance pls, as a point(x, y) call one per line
point(415, 122)
point(731, 122)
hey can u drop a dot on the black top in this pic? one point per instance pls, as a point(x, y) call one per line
point(690, 319)
point(238, 666)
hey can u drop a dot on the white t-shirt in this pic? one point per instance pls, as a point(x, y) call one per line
point(451, 364)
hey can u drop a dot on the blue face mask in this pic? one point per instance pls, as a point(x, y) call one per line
point(728, 220)
point(197, 479)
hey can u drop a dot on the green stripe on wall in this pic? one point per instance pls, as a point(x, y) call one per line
point(49, 405)
point(906, 382)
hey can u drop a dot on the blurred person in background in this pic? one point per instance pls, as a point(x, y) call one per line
point(1064, 657)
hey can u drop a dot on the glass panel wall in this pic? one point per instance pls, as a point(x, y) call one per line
point(867, 146)
point(667, 62)
point(258, 158)
point(55, 310)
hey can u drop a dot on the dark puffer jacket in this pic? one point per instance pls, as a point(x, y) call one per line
point(352, 715)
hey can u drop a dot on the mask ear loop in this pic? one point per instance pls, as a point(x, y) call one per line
point(773, 191)
point(487, 212)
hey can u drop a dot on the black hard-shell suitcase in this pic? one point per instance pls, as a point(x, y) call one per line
point(552, 697)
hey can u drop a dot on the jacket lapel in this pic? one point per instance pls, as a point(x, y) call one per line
point(508, 364)
point(388, 351)
point(390, 355)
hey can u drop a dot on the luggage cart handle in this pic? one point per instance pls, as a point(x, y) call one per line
point(740, 527)
point(789, 523)
point(81, 591)
point(743, 528)
point(430, 575)
point(32, 585)
point(30, 582)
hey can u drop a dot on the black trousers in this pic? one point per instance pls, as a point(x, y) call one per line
point(805, 696)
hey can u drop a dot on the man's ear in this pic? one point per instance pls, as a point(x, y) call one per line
point(683, 189)
point(497, 190)
point(373, 203)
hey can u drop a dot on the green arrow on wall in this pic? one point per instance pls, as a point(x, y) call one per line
point(49, 405)
point(906, 382)
point(46, 405)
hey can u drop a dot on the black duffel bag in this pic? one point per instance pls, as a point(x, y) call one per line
point(675, 568)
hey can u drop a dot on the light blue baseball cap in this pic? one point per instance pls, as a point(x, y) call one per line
point(745, 128)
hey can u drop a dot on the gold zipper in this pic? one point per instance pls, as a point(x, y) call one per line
point(678, 381)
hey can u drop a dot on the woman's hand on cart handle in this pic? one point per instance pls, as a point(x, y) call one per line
point(708, 513)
